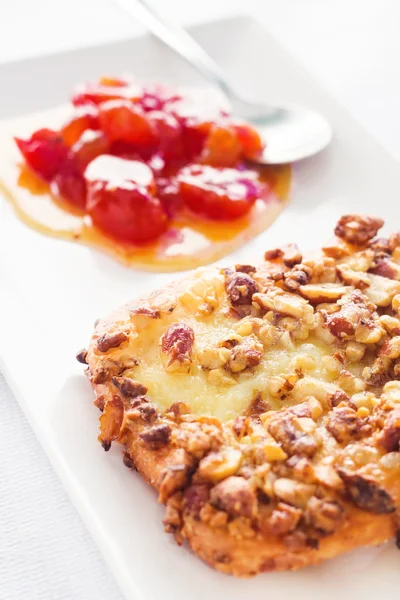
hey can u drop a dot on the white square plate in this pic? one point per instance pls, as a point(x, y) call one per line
point(52, 291)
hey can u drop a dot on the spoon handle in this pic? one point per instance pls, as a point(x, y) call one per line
point(178, 40)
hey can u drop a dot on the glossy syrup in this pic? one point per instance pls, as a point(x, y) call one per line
point(189, 242)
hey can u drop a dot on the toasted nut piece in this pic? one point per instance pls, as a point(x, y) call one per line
point(391, 324)
point(213, 358)
point(245, 355)
point(323, 515)
point(285, 303)
point(354, 351)
point(364, 399)
point(293, 492)
point(111, 340)
point(273, 451)
point(358, 229)
point(323, 292)
point(387, 268)
point(82, 356)
point(328, 476)
point(176, 347)
point(235, 496)
point(391, 348)
point(219, 465)
point(366, 493)
point(391, 392)
point(290, 254)
point(240, 288)
point(396, 303)
point(382, 290)
point(156, 437)
point(355, 278)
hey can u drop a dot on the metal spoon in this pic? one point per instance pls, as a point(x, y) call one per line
point(290, 133)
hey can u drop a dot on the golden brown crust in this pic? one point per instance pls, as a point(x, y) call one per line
point(267, 489)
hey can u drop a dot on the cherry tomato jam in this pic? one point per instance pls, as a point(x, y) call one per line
point(160, 178)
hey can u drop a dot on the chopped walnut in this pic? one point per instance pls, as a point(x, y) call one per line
point(235, 496)
point(293, 279)
point(366, 493)
point(211, 357)
point(324, 515)
point(156, 437)
point(290, 254)
point(390, 348)
point(284, 519)
point(175, 476)
point(358, 229)
point(389, 437)
point(111, 340)
point(378, 373)
point(293, 492)
point(82, 356)
point(344, 424)
point(219, 465)
point(387, 268)
point(356, 279)
point(323, 292)
point(240, 288)
point(245, 355)
point(285, 303)
point(284, 429)
point(382, 290)
point(129, 388)
point(176, 347)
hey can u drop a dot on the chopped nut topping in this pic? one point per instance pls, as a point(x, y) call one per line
point(323, 292)
point(323, 515)
point(344, 425)
point(290, 254)
point(245, 355)
point(235, 496)
point(357, 229)
point(240, 288)
point(129, 387)
point(156, 437)
point(382, 290)
point(366, 493)
point(293, 492)
point(82, 356)
point(284, 519)
point(111, 340)
point(219, 465)
point(177, 345)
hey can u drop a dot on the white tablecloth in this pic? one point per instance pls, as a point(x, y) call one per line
point(352, 46)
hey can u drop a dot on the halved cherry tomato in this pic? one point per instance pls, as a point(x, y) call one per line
point(122, 121)
point(221, 194)
point(70, 184)
point(250, 140)
point(44, 152)
point(169, 194)
point(169, 134)
point(84, 117)
point(222, 147)
point(121, 200)
point(88, 147)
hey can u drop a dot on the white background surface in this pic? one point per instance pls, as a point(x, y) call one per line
point(352, 46)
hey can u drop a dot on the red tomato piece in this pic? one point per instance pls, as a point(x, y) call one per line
point(89, 146)
point(221, 194)
point(170, 135)
point(249, 139)
point(70, 184)
point(222, 147)
point(169, 194)
point(84, 117)
point(121, 200)
point(122, 121)
point(44, 152)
